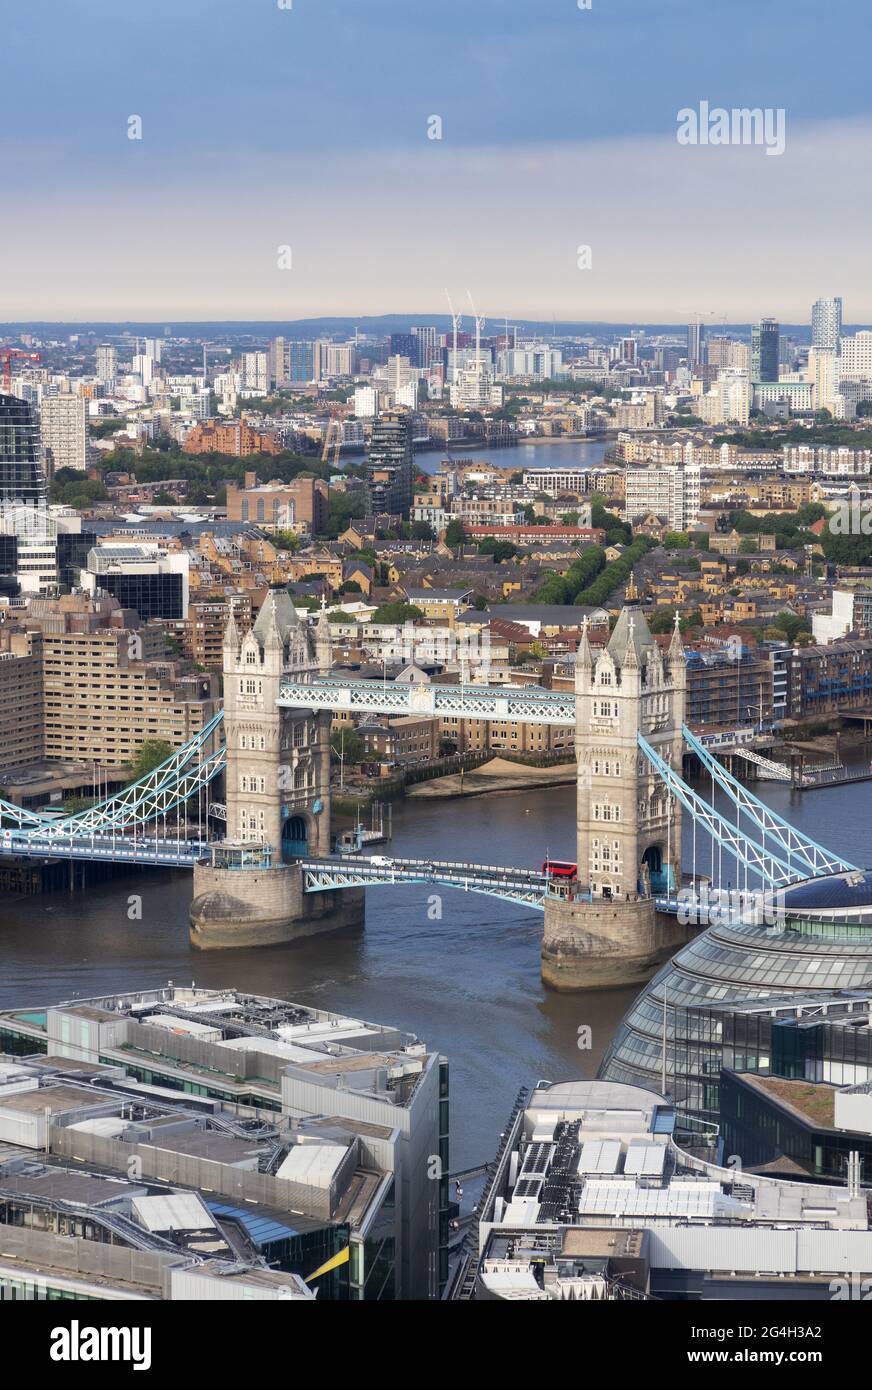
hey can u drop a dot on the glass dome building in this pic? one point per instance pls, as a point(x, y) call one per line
point(681, 1021)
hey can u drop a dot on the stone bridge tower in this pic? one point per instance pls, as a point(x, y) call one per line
point(277, 784)
point(628, 827)
point(278, 760)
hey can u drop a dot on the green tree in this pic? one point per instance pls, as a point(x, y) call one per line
point(397, 612)
point(455, 534)
point(151, 754)
point(347, 745)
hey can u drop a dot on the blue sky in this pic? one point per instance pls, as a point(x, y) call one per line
point(307, 127)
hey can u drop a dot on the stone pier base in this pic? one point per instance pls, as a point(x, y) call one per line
point(265, 907)
point(606, 944)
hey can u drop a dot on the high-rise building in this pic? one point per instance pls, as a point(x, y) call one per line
point(695, 344)
point(255, 372)
point(426, 350)
point(107, 365)
point(764, 351)
point(292, 362)
point(404, 345)
point(390, 463)
point(21, 475)
point(826, 324)
point(64, 428)
point(671, 492)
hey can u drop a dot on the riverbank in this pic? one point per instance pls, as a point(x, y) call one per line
point(498, 775)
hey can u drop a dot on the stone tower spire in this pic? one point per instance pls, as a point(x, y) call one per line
point(676, 646)
point(323, 641)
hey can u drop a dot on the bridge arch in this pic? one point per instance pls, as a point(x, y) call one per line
point(295, 837)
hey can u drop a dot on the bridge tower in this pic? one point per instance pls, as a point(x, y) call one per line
point(628, 827)
point(277, 782)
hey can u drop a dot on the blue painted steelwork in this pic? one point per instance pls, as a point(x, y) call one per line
point(805, 857)
point(768, 866)
point(528, 887)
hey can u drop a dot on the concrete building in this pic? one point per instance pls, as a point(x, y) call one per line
point(597, 1196)
point(290, 1143)
point(107, 365)
point(21, 698)
point(64, 432)
point(108, 686)
point(671, 492)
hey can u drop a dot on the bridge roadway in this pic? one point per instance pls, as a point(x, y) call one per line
point(527, 886)
point(153, 851)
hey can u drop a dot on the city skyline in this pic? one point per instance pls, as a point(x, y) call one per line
point(541, 153)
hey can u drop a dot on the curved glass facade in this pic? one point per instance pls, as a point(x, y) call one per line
point(810, 952)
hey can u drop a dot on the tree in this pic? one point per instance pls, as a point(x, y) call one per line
point(676, 540)
point(455, 534)
point(347, 746)
point(396, 613)
point(152, 753)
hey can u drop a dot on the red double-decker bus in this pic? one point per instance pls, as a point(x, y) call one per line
point(559, 868)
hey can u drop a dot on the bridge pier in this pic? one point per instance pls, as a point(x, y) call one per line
point(265, 907)
point(606, 944)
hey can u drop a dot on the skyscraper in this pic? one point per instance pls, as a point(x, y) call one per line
point(826, 324)
point(764, 351)
point(695, 344)
point(21, 476)
point(390, 463)
point(425, 339)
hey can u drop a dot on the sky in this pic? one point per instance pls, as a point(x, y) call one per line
point(285, 168)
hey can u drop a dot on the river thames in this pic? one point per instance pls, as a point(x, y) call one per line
point(467, 982)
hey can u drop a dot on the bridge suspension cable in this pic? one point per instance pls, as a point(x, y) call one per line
point(804, 856)
point(166, 787)
point(773, 871)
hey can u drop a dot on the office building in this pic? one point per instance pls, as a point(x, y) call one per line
point(390, 463)
point(321, 1139)
point(597, 1194)
point(64, 430)
point(21, 474)
point(148, 579)
point(826, 324)
point(765, 351)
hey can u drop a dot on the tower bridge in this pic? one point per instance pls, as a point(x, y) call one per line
point(263, 870)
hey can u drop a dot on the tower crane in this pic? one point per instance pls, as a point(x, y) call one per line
point(6, 356)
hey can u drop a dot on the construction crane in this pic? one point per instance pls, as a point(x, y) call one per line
point(6, 356)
